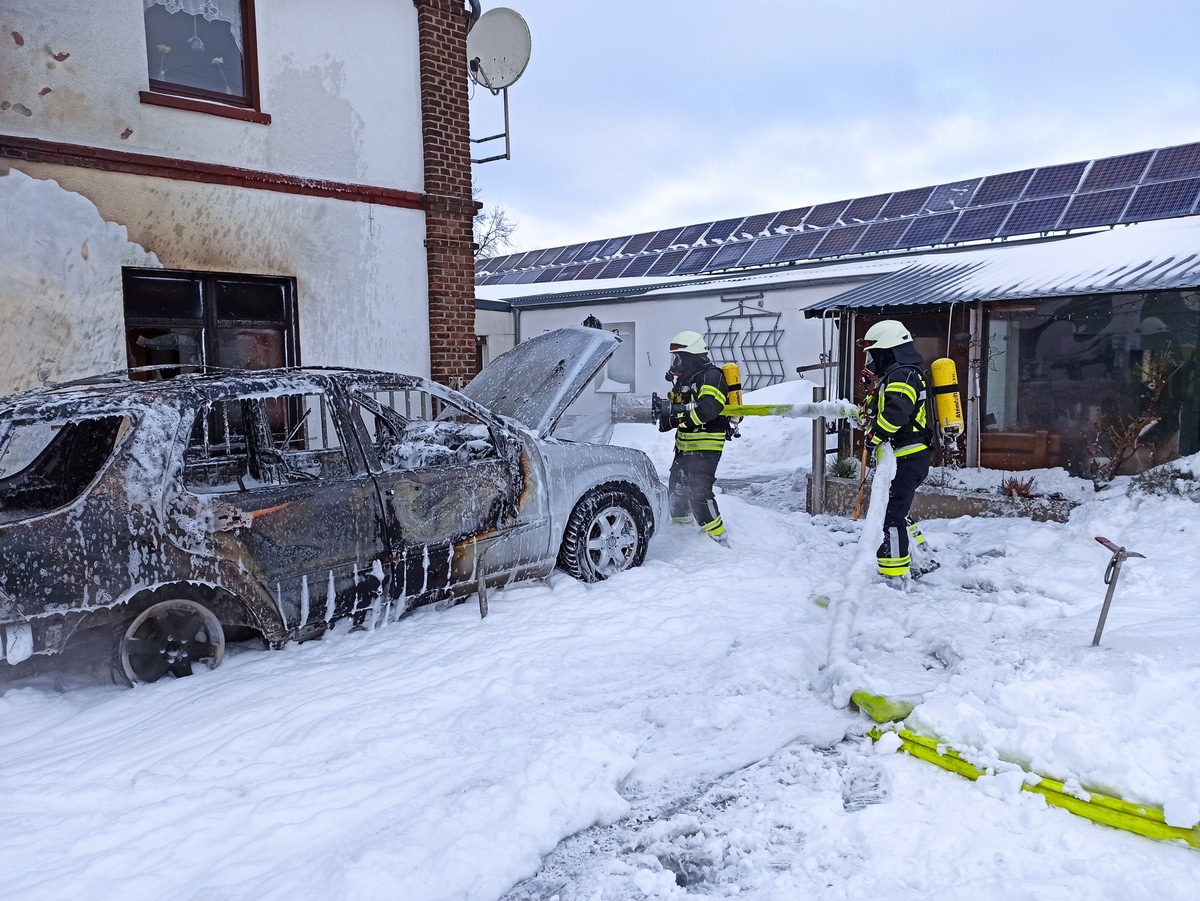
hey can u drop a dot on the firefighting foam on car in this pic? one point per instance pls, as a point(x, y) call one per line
point(153, 518)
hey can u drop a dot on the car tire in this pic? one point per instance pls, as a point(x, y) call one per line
point(175, 632)
point(607, 533)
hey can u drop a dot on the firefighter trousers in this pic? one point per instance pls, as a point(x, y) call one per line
point(893, 557)
point(690, 489)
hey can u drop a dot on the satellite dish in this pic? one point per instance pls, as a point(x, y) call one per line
point(498, 48)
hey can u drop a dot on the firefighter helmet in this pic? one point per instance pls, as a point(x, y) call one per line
point(888, 333)
point(689, 343)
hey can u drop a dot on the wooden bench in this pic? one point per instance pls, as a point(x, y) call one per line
point(1017, 451)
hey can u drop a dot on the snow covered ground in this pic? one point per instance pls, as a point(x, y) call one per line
point(680, 730)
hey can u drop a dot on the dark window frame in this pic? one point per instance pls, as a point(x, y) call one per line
point(205, 288)
point(247, 108)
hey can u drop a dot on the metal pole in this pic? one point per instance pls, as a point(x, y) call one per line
point(1119, 555)
point(816, 503)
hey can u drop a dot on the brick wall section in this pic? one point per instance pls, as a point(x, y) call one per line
point(449, 208)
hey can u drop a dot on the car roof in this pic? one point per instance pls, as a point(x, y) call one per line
point(118, 389)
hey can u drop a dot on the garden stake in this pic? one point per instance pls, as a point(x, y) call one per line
point(1110, 579)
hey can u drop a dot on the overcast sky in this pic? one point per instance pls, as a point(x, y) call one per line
point(634, 115)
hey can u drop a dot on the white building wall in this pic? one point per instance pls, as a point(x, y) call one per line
point(342, 89)
point(656, 319)
point(344, 99)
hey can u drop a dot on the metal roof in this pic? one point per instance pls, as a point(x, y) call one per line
point(1152, 256)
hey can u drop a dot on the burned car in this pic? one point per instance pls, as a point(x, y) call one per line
point(155, 518)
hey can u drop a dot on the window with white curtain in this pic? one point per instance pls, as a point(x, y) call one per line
point(202, 49)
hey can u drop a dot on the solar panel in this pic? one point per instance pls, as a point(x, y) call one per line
point(790, 218)
point(663, 239)
point(763, 250)
point(825, 214)
point(953, 196)
point(799, 247)
point(1151, 184)
point(547, 256)
point(865, 209)
point(696, 260)
point(1102, 208)
point(614, 268)
point(1164, 200)
point(638, 242)
point(567, 273)
point(1032, 216)
point(928, 230)
point(882, 235)
point(1001, 188)
point(840, 240)
point(667, 262)
point(568, 255)
point(612, 246)
point(692, 233)
point(1054, 180)
point(504, 263)
point(1175, 162)
point(905, 203)
point(589, 252)
point(978, 223)
point(720, 231)
point(638, 266)
point(754, 225)
point(728, 255)
point(1116, 171)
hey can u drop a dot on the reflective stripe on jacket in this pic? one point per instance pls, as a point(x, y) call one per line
point(903, 418)
point(703, 427)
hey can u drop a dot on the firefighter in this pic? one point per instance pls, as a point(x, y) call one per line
point(901, 419)
point(698, 396)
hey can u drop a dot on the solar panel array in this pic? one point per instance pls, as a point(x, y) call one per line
point(1134, 187)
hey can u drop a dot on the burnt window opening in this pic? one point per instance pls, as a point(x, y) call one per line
point(202, 55)
point(48, 463)
point(182, 322)
point(400, 426)
point(239, 444)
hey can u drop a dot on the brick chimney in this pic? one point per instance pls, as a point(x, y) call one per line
point(449, 207)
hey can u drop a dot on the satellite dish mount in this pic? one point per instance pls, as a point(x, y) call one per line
point(498, 49)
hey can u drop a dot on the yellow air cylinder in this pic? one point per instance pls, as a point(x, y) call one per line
point(949, 401)
point(733, 378)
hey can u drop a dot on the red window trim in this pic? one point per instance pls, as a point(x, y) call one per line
point(37, 151)
point(195, 105)
point(162, 93)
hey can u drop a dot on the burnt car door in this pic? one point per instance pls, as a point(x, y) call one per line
point(456, 489)
point(292, 503)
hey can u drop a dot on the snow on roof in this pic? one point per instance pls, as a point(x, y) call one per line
point(617, 289)
point(1148, 256)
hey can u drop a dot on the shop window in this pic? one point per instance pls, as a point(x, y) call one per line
point(202, 50)
point(185, 321)
point(1079, 368)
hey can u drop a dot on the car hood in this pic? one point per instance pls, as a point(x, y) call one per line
point(538, 379)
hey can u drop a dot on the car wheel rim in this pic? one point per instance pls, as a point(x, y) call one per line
point(168, 638)
point(612, 541)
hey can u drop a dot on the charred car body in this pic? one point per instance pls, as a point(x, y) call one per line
point(158, 517)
